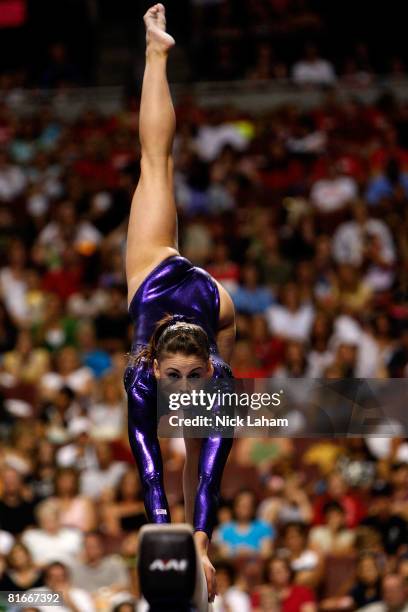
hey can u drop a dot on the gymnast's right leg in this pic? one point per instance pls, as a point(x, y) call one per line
point(152, 231)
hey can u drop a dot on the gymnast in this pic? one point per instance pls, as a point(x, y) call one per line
point(184, 319)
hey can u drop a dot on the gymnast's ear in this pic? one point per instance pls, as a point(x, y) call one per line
point(210, 368)
point(156, 369)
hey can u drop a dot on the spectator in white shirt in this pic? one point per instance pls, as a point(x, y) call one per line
point(333, 192)
point(13, 284)
point(49, 541)
point(80, 453)
point(230, 597)
point(312, 69)
point(12, 179)
point(104, 478)
point(108, 414)
point(290, 319)
point(350, 238)
point(69, 374)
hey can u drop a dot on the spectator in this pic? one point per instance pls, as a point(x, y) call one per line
point(337, 490)
point(81, 450)
point(125, 512)
point(57, 580)
point(307, 564)
point(91, 355)
point(66, 278)
point(292, 597)
point(332, 537)
point(16, 505)
point(294, 363)
point(290, 319)
point(288, 503)
point(69, 373)
point(394, 596)
point(366, 589)
point(230, 596)
point(13, 285)
point(350, 241)
point(58, 415)
point(75, 510)
point(245, 535)
point(112, 325)
point(108, 415)
point(312, 69)
point(50, 541)
point(245, 363)
point(64, 232)
point(222, 268)
point(320, 355)
point(26, 363)
point(54, 330)
point(251, 296)
point(392, 528)
point(333, 192)
point(268, 349)
point(12, 179)
point(99, 574)
point(105, 476)
point(20, 573)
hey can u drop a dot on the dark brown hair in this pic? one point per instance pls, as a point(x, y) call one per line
point(173, 335)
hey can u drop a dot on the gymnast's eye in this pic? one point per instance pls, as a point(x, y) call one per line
point(194, 375)
point(173, 375)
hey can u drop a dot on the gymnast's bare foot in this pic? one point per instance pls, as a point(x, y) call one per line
point(157, 39)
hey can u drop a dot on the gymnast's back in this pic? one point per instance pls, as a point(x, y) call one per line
point(176, 287)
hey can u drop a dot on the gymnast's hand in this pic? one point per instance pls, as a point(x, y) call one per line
point(209, 571)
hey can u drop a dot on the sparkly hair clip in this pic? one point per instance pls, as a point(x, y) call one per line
point(174, 324)
point(177, 318)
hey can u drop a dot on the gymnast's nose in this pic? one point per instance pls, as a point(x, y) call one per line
point(185, 385)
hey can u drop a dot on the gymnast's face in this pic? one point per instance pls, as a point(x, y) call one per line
point(179, 373)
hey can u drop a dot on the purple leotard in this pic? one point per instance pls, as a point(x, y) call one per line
point(175, 286)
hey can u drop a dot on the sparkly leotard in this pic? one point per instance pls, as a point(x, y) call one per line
point(175, 286)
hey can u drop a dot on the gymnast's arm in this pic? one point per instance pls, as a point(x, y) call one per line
point(226, 327)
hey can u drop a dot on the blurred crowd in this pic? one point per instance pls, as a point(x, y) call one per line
point(278, 39)
point(302, 40)
point(302, 217)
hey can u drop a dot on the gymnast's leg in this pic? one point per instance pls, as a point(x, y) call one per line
point(152, 231)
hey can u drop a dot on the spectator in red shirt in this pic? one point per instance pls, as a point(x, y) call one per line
point(337, 490)
point(291, 597)
point(67, 278)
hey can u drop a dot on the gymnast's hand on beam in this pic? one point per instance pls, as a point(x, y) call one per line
point(210, 576)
